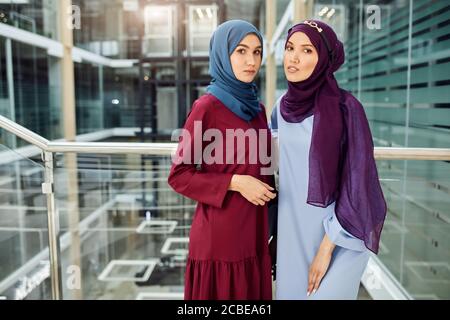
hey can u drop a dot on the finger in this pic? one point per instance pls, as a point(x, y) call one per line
point(265, 198)
point(317, 283)
point(313, 283)
point(271, 195)
point(267, 186)
point(310, 283)
point(255, 203)
point(258, 202)
point(310, 288)
point(310, 274)
point(268, 193)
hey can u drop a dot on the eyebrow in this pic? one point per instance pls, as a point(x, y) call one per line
point(303, 45)
point(246, 46)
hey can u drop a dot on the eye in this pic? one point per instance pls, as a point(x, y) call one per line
point(289, 48)
point(257, 52)
point(240, 50)
point(307, 51)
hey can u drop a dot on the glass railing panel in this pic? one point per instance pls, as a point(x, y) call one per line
point(416, 236)
point(124, 232)
point(24, 255)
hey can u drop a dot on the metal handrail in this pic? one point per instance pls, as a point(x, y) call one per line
point(85, 147)
point(113, 147)
point(23, 133)
point(381, 153)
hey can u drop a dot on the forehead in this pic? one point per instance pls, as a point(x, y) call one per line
point(299, 38)
point(251, 40)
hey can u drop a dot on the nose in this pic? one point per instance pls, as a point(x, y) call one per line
point(294, 58)
point(251, 61)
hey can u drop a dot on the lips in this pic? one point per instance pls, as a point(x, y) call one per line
point(250, 71)
point(292, 69)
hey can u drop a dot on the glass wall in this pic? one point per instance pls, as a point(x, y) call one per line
point(37, 16)
point(5, 107)
point(30, 88)
point(89, 97)
point(109, 28)
point(400, 73)
point(121, 97)
point(35, 93)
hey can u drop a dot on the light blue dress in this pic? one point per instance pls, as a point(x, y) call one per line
point(301, 227)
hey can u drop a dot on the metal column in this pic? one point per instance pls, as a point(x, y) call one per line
point(53, 227)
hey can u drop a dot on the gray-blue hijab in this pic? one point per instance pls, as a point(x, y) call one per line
point(240, 97)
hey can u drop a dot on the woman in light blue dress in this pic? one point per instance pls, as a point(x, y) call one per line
point(331, 208)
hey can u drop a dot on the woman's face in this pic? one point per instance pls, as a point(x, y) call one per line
point(300, 57)
point(246, 58)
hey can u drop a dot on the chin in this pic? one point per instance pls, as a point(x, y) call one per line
point(247, 80)
point(291, 78)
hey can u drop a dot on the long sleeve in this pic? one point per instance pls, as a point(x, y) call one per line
point(185, 178)
point(339, 236)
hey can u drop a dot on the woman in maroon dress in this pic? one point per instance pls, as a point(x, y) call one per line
point(228, 250)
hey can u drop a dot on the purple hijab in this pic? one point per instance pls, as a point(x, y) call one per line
point(342, 167)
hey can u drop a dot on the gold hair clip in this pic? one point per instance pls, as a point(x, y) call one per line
point(313, 24)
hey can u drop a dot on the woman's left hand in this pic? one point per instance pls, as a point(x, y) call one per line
point(320, 265)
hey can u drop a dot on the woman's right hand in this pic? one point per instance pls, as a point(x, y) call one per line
point(252, 189)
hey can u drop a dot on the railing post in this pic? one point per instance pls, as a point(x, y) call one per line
point(53, 227)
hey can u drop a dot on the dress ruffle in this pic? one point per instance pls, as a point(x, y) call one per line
point(247, 279)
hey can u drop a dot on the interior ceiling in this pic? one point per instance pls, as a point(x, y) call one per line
point(243, 9)
point(250, 9)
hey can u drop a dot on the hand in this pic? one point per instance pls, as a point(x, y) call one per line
point(320, 265)
point(252, 189)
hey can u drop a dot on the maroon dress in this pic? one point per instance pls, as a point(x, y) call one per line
point(228, 246)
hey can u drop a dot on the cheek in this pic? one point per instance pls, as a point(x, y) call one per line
point(258, 62)
point(240, 64)
point(232, 61)
point(285, 59)
point(310, 63)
